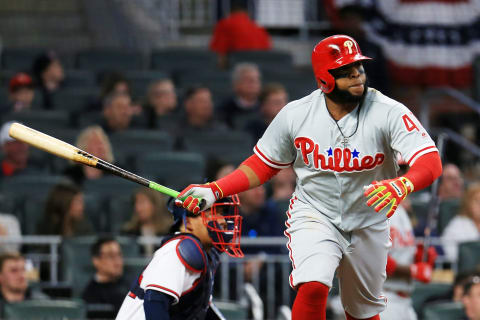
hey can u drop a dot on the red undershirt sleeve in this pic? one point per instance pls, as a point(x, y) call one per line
point(237, 181)
point(425, 170)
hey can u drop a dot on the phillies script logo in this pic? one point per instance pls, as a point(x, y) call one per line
point(337, 159)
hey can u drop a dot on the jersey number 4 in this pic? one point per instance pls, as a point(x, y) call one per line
point(409, 124)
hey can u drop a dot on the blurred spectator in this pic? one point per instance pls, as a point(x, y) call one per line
point(111, 83)
point(9, 227)
point(272, 99)
point(259, 219)
point(237, 32)
point(15, 154)
point(94, 141)
point(283, 184)
point(217, 168)
point(150, 216)
point(199, 117)
point(109, 284)
point(466, 225)
point(20, 93)
point(247, 85)
point(453, 295)
point(471, 297)
point(117, 112)
point(48, 72)
point(64, 213)
point(351, 20)
point(451, 183)
point(161, 100)
point(13, 281)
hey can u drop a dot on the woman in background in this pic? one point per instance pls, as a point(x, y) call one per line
point(150, 216)
point(64, 213)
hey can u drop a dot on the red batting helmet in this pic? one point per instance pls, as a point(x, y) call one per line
point(332, 53)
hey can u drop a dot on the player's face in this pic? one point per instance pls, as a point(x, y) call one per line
point(196, 226)
point(350, 84)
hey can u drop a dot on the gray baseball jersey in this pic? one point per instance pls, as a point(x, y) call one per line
point(331, 172)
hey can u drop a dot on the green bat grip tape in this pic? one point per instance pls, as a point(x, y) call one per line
point(169, 192)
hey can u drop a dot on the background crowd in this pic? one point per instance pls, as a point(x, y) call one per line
point(158, 116)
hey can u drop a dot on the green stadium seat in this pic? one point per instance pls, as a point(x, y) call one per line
point(230, 146)
point(88, 119)
point(110, 186)
point(447, 210)
point(75, 100)
point(135, 142)
point(133, 267)
point(19, 59)
point(182, 59)
point(140, 80)
point(232, 310)
point(468, 256)
point(476, 78)
point(422, 292)
point(30, 185)
point(32, 215)
point(109, 60)
point(76, 266)
point(120, 211)
point(263, 58)
point(444, 311)
point(174, 169)
point(40, 119)
point(76, 79)
point(45, 309)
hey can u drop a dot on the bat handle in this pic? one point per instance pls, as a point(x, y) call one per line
point(170, 192)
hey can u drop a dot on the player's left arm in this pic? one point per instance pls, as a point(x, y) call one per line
point(415, 145)
point(156, 305)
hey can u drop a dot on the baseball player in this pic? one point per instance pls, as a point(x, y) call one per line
point(178, 281)
point(339, 139)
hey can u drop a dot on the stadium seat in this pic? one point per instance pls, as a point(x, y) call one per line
point(263, 58)
point(230, 146)
point(174, 169)
point(135, 142)
point(87, 119)
point(75, 79)
point(133, 267)
point(444, 311)
point(19, 59)
point(232, 310)
point(182, 59)
point(468, 256)
point(95, 211)
point(109, 60)
point(447, 210)
point(422, 292)
point(40, 119)
point(45, 309)
point(77, 268)
point(75, 100)
point(476, 78)
point(110, 185)
point(120, 210)
point(30, 185)
point(140, 80)
point(212, 79)
point(32, 215)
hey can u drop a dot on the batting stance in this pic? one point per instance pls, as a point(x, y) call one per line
point(178, 281)
point(338, 139)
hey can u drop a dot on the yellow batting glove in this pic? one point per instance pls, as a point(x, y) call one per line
point(388, 193)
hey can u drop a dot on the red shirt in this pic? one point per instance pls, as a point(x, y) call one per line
point(237, 32)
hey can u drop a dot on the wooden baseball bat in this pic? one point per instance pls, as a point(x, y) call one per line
point(62, 149)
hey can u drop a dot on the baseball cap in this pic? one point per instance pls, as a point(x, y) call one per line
point(20, 80)
point(4, 136)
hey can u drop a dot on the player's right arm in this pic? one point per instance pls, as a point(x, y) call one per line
point(273, 152)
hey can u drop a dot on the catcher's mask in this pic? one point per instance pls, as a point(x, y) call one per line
point(223, 222)
point(224, 225)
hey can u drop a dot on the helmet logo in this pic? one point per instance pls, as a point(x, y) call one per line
point(349, 45)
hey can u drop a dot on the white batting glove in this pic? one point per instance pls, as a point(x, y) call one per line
point(199, 197)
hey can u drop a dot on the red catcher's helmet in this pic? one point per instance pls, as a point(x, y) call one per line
point(332, 53)
point(225, 239)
